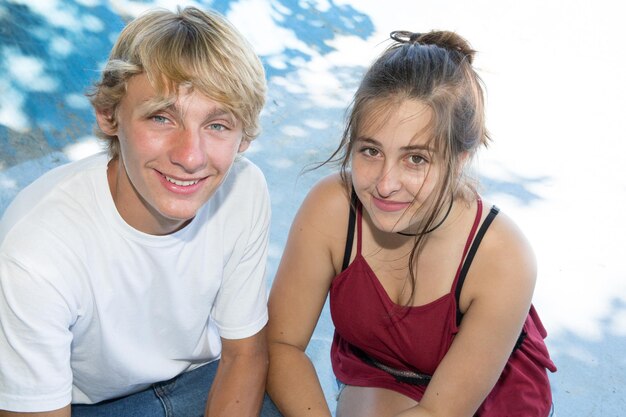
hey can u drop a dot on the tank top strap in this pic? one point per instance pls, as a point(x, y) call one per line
point(470, 238)
point(354, 202)
point(474, 238)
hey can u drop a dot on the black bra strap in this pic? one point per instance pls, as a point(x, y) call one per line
point(350, 237)
point(470, 257)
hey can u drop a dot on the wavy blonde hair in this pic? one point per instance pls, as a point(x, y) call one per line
point(190, 47)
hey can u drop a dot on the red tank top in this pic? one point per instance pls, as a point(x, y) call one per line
point(417, 338)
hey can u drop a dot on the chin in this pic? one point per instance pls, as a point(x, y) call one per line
point(388, 228)
point(390, 225)
point(179, 214)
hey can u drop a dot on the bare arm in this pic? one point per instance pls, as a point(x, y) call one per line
point(63, 412)
point(308, 265)
point(496, 299)
point(239, 384)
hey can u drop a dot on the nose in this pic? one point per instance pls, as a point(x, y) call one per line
point(389, 181)
point(188, 151)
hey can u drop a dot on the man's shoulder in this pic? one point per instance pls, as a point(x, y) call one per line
point(240, 199)
point(245, 170)
point(57, 191)
point(245, 179)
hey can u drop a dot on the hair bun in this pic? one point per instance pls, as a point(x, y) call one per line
point(441, 38)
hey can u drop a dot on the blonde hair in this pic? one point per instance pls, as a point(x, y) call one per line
point(200, 49)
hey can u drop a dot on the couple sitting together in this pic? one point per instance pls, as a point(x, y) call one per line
point(132, 283)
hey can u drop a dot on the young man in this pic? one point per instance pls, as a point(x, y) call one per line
point(132, 283)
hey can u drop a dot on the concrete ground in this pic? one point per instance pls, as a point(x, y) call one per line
point(556, 100)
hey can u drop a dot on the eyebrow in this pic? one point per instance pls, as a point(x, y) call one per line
point(152, 105)
point(407, 148)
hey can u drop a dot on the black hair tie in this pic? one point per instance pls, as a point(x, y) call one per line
point(405, 36)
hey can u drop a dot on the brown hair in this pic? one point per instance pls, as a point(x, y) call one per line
point(435, 69)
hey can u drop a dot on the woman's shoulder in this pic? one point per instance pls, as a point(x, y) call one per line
point(505, 254)
point(323, 215)
point(328, 197)
point(506, 236)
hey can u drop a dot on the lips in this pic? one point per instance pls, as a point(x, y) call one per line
point(388, 205)
point(182, 187)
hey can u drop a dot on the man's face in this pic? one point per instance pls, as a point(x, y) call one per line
point(173, 155)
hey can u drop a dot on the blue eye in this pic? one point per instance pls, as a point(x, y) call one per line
point(159, 119)
point(217, 126)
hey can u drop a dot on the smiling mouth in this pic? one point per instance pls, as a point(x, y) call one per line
point(181, 183)
point(389, 206)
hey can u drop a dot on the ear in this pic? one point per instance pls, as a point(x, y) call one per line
point(243, 145)
point(106, 121)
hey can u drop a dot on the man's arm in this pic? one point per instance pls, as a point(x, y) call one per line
point(239, 385)
point(63, 412)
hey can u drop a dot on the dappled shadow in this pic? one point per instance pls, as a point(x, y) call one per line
point(584, 362)
point(315, 27)
point(48, 57)
point(50, 54)
point(519, 187)
point(298, 130)
point(296, 135)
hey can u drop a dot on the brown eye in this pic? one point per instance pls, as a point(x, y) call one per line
point(416, 159)
point(370, 151)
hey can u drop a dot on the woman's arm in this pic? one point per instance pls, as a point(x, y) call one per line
point(308, 265)
point(238, 386)
point(495, 300)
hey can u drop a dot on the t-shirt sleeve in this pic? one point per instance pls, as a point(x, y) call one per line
point(240, 308)
point(35, 340)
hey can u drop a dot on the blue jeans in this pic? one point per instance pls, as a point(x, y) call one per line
point(182, 396)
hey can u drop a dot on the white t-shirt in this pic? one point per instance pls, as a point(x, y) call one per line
point(92, 309)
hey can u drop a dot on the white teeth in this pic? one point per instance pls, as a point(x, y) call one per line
point(181, 183)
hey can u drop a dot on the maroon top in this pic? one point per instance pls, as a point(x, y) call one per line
point(417, 339)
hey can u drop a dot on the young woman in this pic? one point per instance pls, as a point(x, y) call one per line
point(430, 286)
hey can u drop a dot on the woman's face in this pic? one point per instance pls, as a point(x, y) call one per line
point(394, 166)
